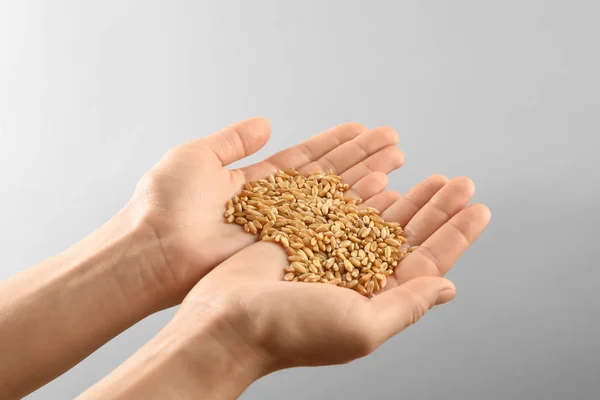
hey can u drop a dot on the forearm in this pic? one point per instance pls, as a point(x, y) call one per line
point(204, 359)
point(58, 312)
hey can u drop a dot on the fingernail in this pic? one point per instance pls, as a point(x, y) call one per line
point(445, 295)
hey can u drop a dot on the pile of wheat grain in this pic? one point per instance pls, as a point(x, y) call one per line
point(327, 237)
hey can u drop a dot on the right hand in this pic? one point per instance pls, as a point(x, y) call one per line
point(301, 324)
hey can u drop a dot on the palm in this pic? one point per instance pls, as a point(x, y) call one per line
point(308, 324)
point(304, 317)
point(317, 324)
point(187, 190)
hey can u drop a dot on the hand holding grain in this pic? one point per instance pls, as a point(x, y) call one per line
point(303, 324)
point(182, 197)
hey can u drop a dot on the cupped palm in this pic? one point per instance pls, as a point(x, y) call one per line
point(183, 197)
point(298, 324)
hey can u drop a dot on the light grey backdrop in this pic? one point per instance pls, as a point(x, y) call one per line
point(93, 93)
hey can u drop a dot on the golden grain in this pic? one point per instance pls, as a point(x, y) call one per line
point(328, 239)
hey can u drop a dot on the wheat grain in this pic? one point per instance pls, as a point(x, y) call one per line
point(328, 238)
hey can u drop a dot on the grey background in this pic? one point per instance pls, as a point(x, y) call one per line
point(93, 93)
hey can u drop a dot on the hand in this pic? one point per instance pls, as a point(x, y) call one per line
point(299, 324)
point(182, 198)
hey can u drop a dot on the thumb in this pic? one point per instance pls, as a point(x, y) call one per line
point(239, 140)
point(404, 305)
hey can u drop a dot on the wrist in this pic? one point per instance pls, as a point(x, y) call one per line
point(219, 346)
point(142, 272)
point(173, 270)
point(126, 256)
point(199, 354)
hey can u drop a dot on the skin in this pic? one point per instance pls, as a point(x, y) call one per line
point(168, 237)
point(183, 197)
point(241, 321)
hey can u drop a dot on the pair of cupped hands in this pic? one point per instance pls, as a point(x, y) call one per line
point(231, 284)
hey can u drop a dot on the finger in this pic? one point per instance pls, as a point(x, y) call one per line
point(394, 310)
point(382, 201)
point(354, 151)
point(237, 141)
point(449, 200)
point(307, 151)
point(369, 186)
point(260, 260)
point(403, 208)
point(385, 160)
point(438, 254)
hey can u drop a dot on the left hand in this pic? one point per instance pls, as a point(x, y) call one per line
point(182, 199)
